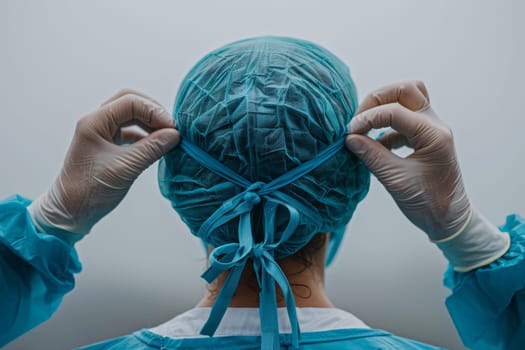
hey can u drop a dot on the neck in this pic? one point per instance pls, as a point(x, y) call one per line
point(307, 283)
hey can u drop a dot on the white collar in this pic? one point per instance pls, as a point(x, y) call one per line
point(245, 321)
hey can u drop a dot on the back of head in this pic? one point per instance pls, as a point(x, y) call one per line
point(263, 106)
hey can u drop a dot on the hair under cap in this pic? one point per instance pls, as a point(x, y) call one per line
point(263, 106)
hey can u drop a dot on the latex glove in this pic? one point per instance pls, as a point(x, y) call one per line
point(427, 185)
point(104, 158)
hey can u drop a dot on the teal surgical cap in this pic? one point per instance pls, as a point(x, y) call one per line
point(262, 167)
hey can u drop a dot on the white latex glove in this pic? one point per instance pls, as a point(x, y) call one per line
point(427, 185)
point(104, 158)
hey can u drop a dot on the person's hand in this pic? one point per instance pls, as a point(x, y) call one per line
point(427, 185)
point(103, 160)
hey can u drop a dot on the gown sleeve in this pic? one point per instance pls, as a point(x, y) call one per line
point(36, 270)
point(487, 304)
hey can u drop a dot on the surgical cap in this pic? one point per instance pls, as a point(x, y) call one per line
point(263, 106)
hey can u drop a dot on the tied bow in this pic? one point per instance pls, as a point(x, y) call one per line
point(234, 256)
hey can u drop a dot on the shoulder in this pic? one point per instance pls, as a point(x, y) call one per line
point(363, 339)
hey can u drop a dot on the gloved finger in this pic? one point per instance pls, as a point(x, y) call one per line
point(410, 94)
point(129, 135)
point(138, 124)
point(393, 115)
point(128, 109)
point(149, 149)
point(134, 126)
point(394, 140)
point(375, 156)
point(125, 92)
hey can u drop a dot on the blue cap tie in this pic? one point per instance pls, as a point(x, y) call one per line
point(234, 256)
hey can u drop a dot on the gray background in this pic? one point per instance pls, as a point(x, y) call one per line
point(61, 59)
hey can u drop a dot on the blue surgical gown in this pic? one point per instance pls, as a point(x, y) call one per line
point(341, 339)
point(37, 269)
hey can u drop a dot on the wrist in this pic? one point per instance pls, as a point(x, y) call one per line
point(476, 244)
point(44, 225)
